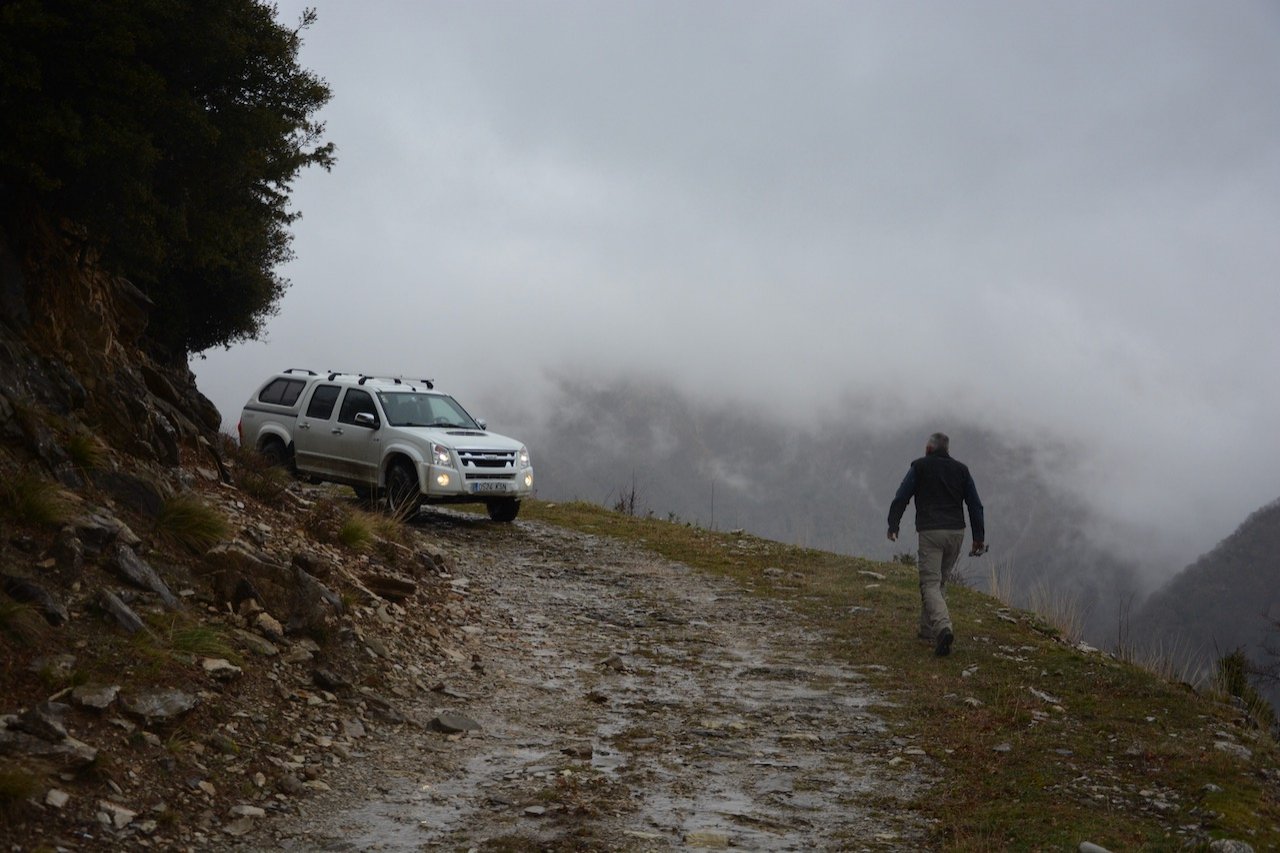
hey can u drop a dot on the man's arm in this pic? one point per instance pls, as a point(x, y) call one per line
point(977, 519)
point(900, 501)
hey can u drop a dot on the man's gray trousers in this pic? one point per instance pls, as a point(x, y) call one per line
point(939, 551)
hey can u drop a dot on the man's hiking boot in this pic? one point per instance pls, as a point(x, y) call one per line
point(943, 647)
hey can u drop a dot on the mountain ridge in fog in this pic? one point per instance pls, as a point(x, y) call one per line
point(819, 481)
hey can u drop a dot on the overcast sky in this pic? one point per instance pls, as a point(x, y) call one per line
point(1053, 216)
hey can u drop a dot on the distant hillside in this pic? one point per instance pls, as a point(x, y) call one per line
point(819, 483)
point(1228, 598)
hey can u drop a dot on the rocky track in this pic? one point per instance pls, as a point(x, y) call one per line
point(608, 699)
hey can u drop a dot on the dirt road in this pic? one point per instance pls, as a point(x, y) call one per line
point(624, 703)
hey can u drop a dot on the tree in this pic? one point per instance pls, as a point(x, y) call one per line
point(170, 131)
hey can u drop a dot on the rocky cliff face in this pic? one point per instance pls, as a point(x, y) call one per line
point(170, 610)
point(73, 357)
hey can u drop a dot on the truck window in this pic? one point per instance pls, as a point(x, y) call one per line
point(282, 392)
point(322, 400)
point(354, 403)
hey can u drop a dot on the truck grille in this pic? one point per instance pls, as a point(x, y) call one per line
point(487, 458)
point(471, 476)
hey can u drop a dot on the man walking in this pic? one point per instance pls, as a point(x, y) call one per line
point(940, 485)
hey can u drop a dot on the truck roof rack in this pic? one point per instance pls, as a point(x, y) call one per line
point(362, 378)
point(300, 370)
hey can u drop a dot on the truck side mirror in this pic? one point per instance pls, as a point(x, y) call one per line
point(482, 423)
point(366, 419)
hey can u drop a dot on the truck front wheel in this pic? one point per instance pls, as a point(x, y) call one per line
point(504, 509)
point(403, 496)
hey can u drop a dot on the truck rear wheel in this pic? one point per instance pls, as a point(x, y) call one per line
point(273, 450)
point(403, 496)
point(504, 509)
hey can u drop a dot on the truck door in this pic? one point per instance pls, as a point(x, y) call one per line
point(355, 449)
point(313, 427)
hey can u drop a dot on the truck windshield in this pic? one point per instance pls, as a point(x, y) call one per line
point(410, 409)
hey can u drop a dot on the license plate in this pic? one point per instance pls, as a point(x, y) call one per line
point(476, 488)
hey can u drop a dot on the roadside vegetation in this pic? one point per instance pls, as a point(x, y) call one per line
point(1035, 742)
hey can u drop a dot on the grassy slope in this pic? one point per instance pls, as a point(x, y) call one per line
point(1106, 752)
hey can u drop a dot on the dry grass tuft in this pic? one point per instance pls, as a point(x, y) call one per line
point(188, 521)
point(32, 499)
point(86, 451)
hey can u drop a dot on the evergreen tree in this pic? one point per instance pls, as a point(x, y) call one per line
point(170, 131)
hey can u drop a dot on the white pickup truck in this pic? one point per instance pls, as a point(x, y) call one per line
point(386, 435)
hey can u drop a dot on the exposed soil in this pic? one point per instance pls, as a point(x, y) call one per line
point(625, 703)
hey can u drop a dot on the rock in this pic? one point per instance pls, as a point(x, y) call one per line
point(1002, 747)
point(59, 666)
point(221, 669)
point(536, 811)
point(873, 575)
point(68, 550)
point(159, 705)
point(132, 568)
point(68, 753)
point(56, 798)
point(1228, 845)
point(291, 785)
point(313, 604)
point(391, 588)
point(132, 492)
point(582, 750)
point(1089, 847)
point(328, 680)
point(117, 815)
point(451, 722)
point(353, 728)
point(100, 528)
point(24, 590)
point(43, 721)
point(268, 626)
point(1235, 749)
point(121, 613)
point(256, 644)
point(247, 811)
point(239, 826)
point(707, 840)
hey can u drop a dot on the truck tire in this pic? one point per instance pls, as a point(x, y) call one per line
point(504, 509)
point(273, 450)
point(403, 496)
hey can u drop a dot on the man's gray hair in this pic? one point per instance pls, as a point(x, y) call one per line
point(939, 441)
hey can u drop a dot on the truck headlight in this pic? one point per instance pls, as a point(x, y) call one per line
point(523, 457)
point(440, 455)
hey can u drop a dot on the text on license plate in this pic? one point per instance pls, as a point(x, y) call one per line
point(488, 487)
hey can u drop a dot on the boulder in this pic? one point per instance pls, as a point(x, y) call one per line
point(132, 568)
point(158, 705)
point(26, 590)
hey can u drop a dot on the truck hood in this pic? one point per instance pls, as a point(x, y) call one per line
point(465, 438)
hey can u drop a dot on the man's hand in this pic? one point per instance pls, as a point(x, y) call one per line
point(893, 536)
point(978, 549)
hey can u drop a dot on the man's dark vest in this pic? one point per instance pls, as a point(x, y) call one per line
point(940, 486)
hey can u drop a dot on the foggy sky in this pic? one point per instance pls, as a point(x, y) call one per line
point(1058, 219)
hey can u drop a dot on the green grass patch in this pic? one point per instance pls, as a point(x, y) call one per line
point(1040, 745)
